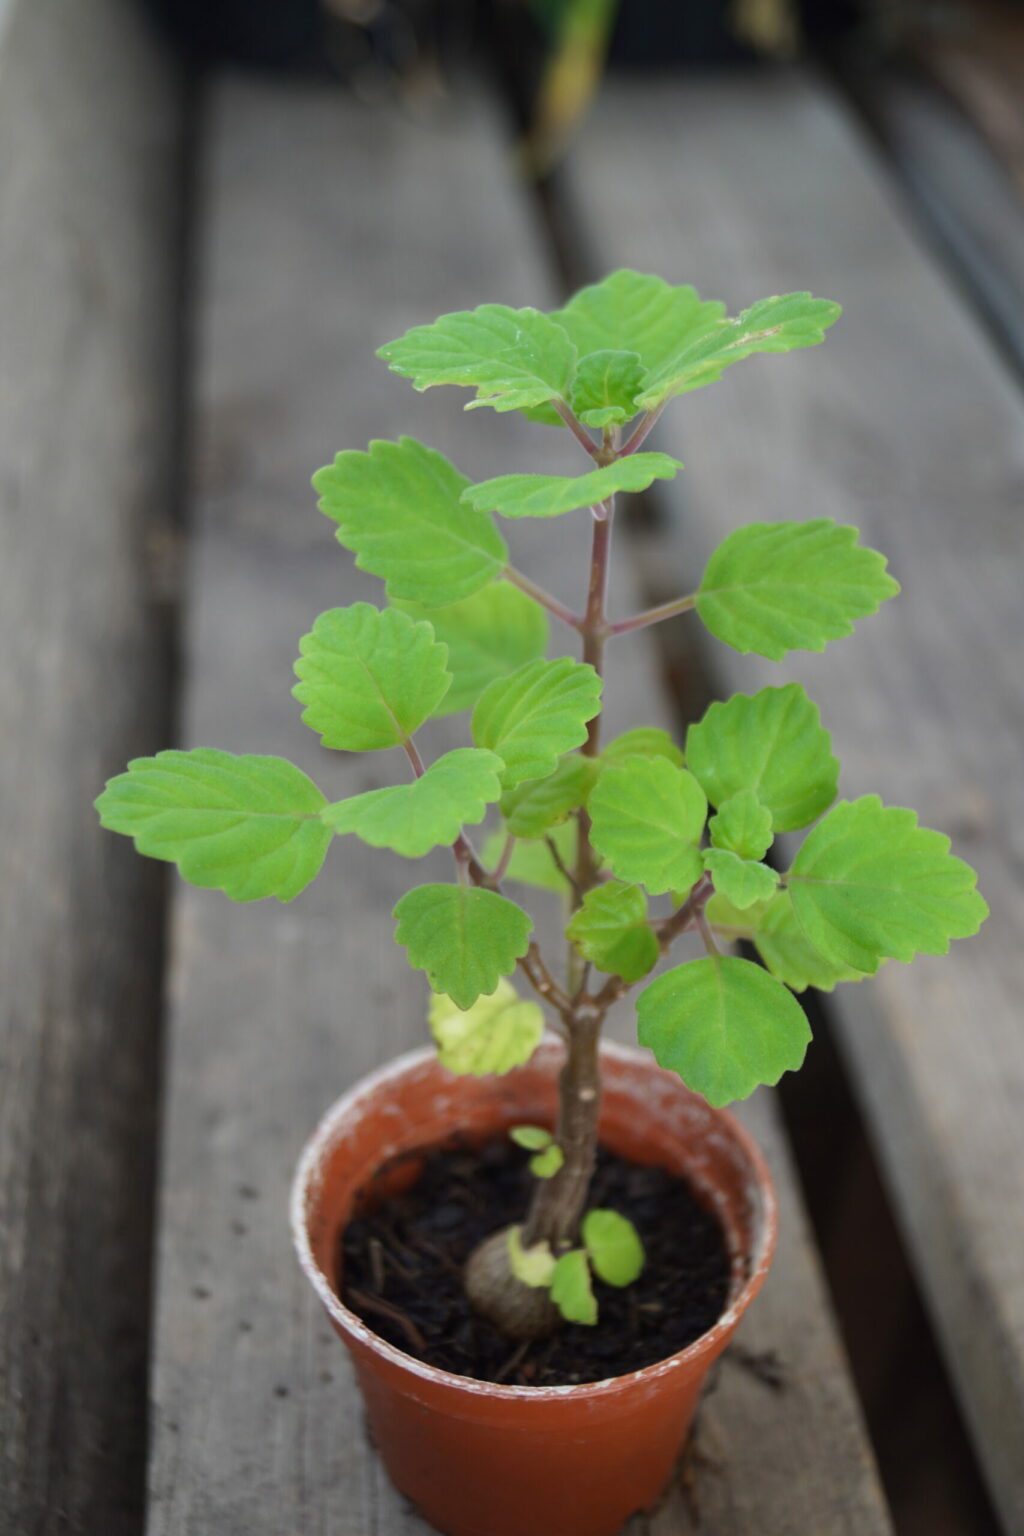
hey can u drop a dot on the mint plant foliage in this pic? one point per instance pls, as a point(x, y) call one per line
point(649, 843)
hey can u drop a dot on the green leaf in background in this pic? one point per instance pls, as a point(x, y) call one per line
point(488, 635)
point(247, 826)
point(465, 939)
point(398, 508)
point(547, 1163)
point(724, 1025)
point(611, 930)
point(533, 1137)
point(778, 587)
point(533, 1266)
point(644, 741)
point(870, 884)
point(369, 677)
point(780, 941)
point(741, 881)
point(743, 825)
point(512, 357)
point(493, 1035)
point(535, 805)
point(605, 386)
point(613, 1246)
point(413, 818)
point(647, 818)
point(637, 312)
point(771, 742)
point(778, 324)
point(535, 715)
point(551, 495)
point(571, 1290)
point(531, 862)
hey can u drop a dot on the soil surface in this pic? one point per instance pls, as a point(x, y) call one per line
point(401, 1267)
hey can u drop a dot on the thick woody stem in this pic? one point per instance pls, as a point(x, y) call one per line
point(558, 1203)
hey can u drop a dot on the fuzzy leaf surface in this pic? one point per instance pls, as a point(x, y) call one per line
point(771, 742)
point(647, 818)
point(571, 1290)
point(531, 862)
point(454, 792)
point(605, 387)
point(512, 357)
point(369, 677)
point(535, 805)
point(637, 312)
point(551, 495)
point(780, 941)
point(537, 714)
point(777, 324)
point(611, 930)
point(465, 939)
point(724, 1025)
point(870, 884)
point(644, 741)
point(743, 825)
point(493, 1035)
point(613, 1246)
point(399, 509)
point(488, 635)
point(248, 826)
point(779, 587)
point(743, 882)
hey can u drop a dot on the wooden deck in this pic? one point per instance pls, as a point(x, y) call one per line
point(321, 228)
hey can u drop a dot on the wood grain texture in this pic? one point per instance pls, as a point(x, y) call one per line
point(330, 229)
point(906, 424)
point(88, 129)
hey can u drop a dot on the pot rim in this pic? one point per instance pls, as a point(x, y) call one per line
point(351, 1324)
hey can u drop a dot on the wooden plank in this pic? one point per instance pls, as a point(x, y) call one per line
point(277, 1010)
point(88, 151)
point(906, 424)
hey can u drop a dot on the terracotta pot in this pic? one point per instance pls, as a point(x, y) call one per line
point(478, 1459)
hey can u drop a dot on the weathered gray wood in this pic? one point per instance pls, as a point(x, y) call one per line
point(88, 128)
point(276, 1010)
point(906, 424)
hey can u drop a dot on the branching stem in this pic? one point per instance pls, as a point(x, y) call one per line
point(653, 615)
point(545, 599)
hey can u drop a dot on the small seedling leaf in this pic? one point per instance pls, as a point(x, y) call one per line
point(611, 930)
point(647, 818)
point(369, 678)
point(454, 792)
point(512, 357)
point(533, 1137)
point(771, 742)
point(398, 508)
point(724, 1025)
point(870, 884)
point(547, 1163)
point(614, 1247)
point(247, 826)
point(535, 715)
point(493, 1035)
point(465, 939)
point(778, 587)
point(743, 825)
point(571, 1290)
point(606, 386)
point(488, 635)
point(551, 495)
point(744, 882)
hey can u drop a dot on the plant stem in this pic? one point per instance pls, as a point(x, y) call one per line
point(558, 1203)
point(640, 432)
point(577, 428)
point(545, 599)
point(653, 615)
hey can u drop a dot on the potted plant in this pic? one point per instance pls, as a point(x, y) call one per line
point(644, 839)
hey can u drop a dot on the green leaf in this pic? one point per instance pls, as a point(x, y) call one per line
point(605, 386)
point(369, 678)
point(493, 1035)
point(742, 881)
point(537, 804)
point(724, 1025)
point(547, 1163)
point(551, 495)
point(771, 742)
point(778, 587)
point(398, 508)
point(463, 938)
point(636, 312)
point(247, 826)
point(612, 931)
point(743, 825)
point(413, 818)
point(531, 862)
point(512, 357)
point(533, 1137)
point(614, 1247)
point(534, 716)
point(774, 930)
point(647, 818)
point(644, 741)
point(533, 1266)
point(778, 324)
point(488, 635)
point(571, 1291)
point(869, 884)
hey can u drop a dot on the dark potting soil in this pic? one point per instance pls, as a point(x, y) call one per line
point(401, 1267)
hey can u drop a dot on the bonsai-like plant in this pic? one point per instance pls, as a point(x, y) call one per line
point(609, 825)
